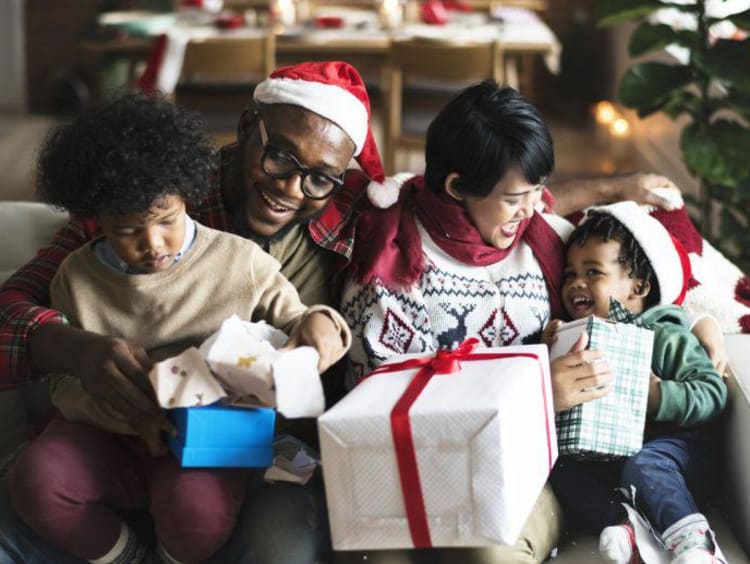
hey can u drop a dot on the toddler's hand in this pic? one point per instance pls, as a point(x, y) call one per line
point(319, 331)
point(654, 395)
point(549, 335)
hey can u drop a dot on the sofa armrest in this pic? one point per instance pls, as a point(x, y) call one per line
point(27, 227)
point(737, 445)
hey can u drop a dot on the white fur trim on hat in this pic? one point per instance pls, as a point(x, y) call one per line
point(658, 245)
point(332, 102)
point(384, 194)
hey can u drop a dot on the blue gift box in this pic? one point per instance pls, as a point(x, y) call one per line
point(223, 436)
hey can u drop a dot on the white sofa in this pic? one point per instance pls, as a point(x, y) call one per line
point(28, 226)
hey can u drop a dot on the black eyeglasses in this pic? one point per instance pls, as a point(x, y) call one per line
point(276, 163)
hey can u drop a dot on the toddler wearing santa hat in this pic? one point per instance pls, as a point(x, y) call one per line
point(622, 263)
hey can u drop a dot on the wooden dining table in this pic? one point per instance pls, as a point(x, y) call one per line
point(367, 47)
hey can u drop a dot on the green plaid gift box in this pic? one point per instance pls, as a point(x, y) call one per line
point(611, 426)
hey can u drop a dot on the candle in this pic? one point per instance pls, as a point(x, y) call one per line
point(283, 12)
point(391, 14)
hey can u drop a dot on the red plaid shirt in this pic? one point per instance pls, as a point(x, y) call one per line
point(24, 298)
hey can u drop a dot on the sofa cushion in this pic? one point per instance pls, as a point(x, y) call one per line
point(27, 226)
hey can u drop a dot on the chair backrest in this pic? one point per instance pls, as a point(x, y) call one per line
point(447, 67)
point(229, 59)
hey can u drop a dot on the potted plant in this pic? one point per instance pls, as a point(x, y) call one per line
point(710, 84)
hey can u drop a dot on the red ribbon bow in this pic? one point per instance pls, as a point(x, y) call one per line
point(444, 362)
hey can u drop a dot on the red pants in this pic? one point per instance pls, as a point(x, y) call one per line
point(70, 483)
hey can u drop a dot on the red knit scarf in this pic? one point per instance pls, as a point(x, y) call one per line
point(389, 248)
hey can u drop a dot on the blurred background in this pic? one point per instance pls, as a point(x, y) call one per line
point(61, 56)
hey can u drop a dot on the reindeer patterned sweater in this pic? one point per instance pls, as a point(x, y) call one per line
point(506, 303)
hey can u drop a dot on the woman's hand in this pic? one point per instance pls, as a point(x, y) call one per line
point(319, 331)
point(576, 195)
point(579, 376)
point(549, 336)
point(708, 332)
point(639, 187)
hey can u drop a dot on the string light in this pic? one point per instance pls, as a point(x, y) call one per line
point(605, 112)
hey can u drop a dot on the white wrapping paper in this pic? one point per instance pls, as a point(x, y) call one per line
point(240, 362)
point(484, 441)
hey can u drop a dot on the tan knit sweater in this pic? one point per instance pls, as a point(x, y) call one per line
point(169, 311)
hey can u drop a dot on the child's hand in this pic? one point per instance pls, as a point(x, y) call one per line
point(549, 335)
point(654, 395)
point(319, 331)
point(581, 375)
point(708, 332)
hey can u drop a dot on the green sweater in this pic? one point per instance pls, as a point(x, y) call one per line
point(692, 391)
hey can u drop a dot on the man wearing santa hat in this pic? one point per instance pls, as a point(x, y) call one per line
point(285, 184)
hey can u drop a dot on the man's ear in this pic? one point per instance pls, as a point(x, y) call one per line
point(450, 187)
point(641, 288)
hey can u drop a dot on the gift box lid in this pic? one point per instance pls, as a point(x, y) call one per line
point(224, 426)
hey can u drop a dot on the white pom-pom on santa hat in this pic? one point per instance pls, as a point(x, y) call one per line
point(384, 194)
point(667, 256)
point(335, 91)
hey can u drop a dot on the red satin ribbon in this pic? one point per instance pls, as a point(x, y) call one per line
point(444, 362)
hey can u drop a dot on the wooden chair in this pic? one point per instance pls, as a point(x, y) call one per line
point(218, 75)
point(228, 59)
point(441, 68)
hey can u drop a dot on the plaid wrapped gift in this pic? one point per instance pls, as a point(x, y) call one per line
point(611, 426)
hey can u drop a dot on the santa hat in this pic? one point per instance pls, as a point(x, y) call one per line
point(669, 259)
point(335, 91)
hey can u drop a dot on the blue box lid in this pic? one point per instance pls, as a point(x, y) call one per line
point(224, 426)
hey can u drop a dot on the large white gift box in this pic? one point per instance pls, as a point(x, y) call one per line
point(474, 448)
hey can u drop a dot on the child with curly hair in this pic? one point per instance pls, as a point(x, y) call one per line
point(160, 280)
point(621, 253)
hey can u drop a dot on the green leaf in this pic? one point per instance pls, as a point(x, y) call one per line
point(613, 12)
point(679, 102)
point(649, 37)
point(727, 60)
point(739, 101)
point(647, 84)
point(741, 20)
point(717, 153)
point(688, 38)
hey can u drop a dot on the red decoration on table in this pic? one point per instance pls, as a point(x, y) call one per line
point(229, 20)
point(329, 22)
point(434, 12)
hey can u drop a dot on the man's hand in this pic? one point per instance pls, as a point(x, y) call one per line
point(319, 331)
point(579, 376)
point(111, 369)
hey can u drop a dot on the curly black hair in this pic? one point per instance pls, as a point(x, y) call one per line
point(604, 226)
point(124, 156)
